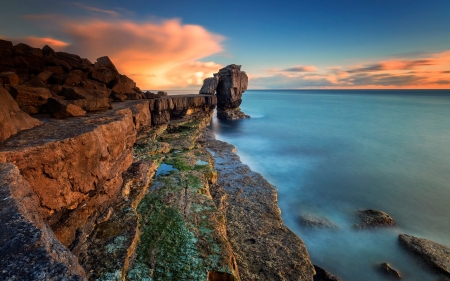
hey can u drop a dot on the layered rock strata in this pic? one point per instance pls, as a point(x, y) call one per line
point(229, 84)
point(265, 249)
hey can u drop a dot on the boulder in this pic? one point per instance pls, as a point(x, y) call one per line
point(118, 97)
point(36, 82)
point(30, 99)
point(373, 218)
point(105, 62)
point(5, 44)
point(55, 69)
point(76, 93)
point(44, 75)
point(162, 93)
point(104, 70)
point(435, 255)
point(60, 108)
point(231, 114)
point(6, 61)
point(29, 250)
point(389, 271)
point(25, 49)
point(12, 119)
point(92, 104)
point(123, 85)
point(134, 96)
point(47, 51)
point(149, 95)
point(323, 275)
point(210, 85)
point(313, 221)
point(10, 78)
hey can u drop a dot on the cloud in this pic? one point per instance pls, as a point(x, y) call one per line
point(424, 71)
point(40, 42)
point(94, 9)
point(154, 53)
point(308, 68)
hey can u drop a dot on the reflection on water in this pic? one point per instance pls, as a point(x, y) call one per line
point(331, 153)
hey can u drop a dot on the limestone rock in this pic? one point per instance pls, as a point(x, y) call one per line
point(36, 82)
point(313, 221)
point(388, 270)
point(232, 83)
point(60, 108)
point(44, 75)
point(323, 275)
point(47, 51)
point(231, 114)
point(373, 218)
point(10, 78)
point(210, 85)
point(89, 100)
point(12, 119)
point(28, 248)
point(30, 99)
point(162, 93)
point(435, 255)
point(104, 70)
point(123, 85)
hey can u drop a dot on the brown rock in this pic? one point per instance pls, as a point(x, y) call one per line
point(36, 82)
point(44, 75)
point(134, 96)
point(123, 85)
point(5, 44)
point(21, 62)
point(323, 275)
point(10, 78)
point(47, 51)
point(232, 83)
point(435, 255)
point(60, 108)
point(104, 70)
point(149, 95)
point(105, 62)
point(118, 97)
point(6, 52)
point(22, 48)
point(313, 221)
point(55, 69)
point(92, 104)
point(373, 218)
point(28, 248)
point(12, 119)
point(30, 99)
point(389, 271)
point(6, 61)
point(210, 85)
point(162, 93)
point(76, 93)
point(73, 79)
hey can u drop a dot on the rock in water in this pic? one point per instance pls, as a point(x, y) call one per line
point(323, 275)
point(12, 119)
point(389, 271)
point(29, 250)
point(435, 255)
point(313, 221)
point(373, 218)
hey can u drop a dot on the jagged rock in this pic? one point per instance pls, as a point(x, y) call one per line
point(47, 51)
point(105, 62)
point(30, 99)
point(162, 93)
point(389, 271)
point(232, 83)
point(118, 97)
point(55, 69)
point(231, 114)
point(44, 75)
point(435, 255)
point(28, 248)
point(60, 108)
point(5, 44)
point(92, 104)
point(12, 119)
point(10, 78)
point(22, 48)
point(313, 221)
point(73, 79)
point(104, 70)
point(89, 100)
point(6, 61)
point(134, 96)
point(210, 85)
point(149, 95)
point(123, 85)
point(36, 82)
point(323, 275)
point(373, 218)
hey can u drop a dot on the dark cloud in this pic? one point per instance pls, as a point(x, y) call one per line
point(382, 79)
point(301, 69)
point(390, 65)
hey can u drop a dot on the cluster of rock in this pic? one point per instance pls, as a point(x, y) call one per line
point(229, 84)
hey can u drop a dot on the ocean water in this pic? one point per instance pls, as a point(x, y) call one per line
point(331, 153)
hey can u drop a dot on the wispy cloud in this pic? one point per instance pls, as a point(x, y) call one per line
point(95, 9)
point(40, 42)
point(308, 68)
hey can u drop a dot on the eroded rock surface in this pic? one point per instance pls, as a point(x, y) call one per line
point(389, 271)
point(265, 249)
point(313, 221)
point(28, 248)
point(373, 218)
point(323, 275)
point(435, 255)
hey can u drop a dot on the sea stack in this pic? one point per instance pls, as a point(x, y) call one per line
point(229, 84)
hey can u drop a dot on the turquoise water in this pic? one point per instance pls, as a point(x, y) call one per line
point(330, 153)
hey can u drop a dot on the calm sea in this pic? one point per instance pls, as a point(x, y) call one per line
point(330, 153)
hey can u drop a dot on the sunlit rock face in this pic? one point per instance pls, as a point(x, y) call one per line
point(229, 84)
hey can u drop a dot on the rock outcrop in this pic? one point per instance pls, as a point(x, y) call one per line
point(28, 248)
point(315, 222)
point(389, 271)
point(323, 275)
point(435, 255)
point(373, 218)
point(12, 119)
point(229, 84)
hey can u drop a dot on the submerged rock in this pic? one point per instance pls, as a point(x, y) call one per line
point(323, 275)
point(313, 221)
point(389, 271)
point(435, 255)
point(373, 218)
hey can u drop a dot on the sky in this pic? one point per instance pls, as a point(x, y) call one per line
point(303, 44)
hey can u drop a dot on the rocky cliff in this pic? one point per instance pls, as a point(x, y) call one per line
point(105, 182)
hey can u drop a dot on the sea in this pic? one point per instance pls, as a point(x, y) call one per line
point(331, 153)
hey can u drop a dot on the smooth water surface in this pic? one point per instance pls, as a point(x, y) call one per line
point(330, 153)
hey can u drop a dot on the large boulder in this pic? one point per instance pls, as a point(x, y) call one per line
point(12, 119)
point(89, 100)
point(435, 255)
point(10, 78)
point(104, 70)
point(60, 108)
point(29, 250)
point(315, 222)
point(123, 85)
point(323, 275)
point(210, 85)
point(30, 99)
point(232, 83)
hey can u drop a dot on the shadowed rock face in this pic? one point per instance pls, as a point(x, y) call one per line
point(323, 275)
point(29, 249)
point(435, 255)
